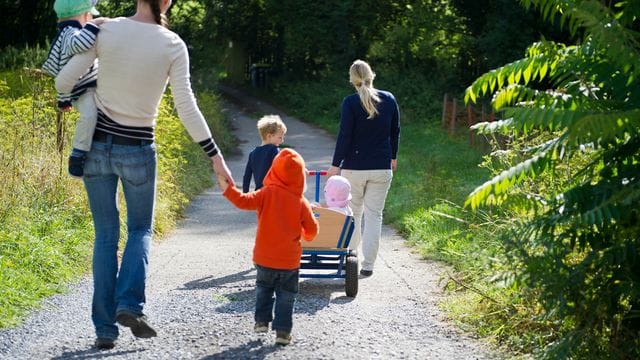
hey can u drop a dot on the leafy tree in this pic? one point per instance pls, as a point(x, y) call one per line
point(186, 20)
point(497, 32)
point(26, 22)
point(580, 247)
point(425, 35)
point(300, 38)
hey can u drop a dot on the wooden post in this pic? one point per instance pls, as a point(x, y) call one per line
point(452, 127)
point(444, 111)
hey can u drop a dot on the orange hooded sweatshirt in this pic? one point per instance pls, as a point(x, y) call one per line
point(284, 215)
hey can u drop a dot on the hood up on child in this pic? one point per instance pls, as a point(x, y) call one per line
point(287, 171)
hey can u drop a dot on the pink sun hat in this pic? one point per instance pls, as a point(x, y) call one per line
point(337, 191)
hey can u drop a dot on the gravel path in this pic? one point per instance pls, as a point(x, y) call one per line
point(201, 293)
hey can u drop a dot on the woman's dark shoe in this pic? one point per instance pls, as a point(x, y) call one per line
point(105, 343)
point(366, 272)
point(283, 338)
point(138, 324)
point(261, 327)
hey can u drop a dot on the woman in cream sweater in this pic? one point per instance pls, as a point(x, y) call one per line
point(138, 55)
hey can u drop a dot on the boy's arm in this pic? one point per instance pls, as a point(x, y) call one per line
point(248, 201)
point(82, 39)
point(310, 225)
point(246, 179)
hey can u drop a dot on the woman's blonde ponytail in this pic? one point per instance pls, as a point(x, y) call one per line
point(361, 76)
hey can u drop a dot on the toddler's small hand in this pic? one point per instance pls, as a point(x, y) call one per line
point(99, 21)
point(223, 183)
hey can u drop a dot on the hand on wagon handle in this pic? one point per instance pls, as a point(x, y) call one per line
point(333, 170)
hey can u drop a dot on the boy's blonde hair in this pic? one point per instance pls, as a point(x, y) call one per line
point(270, 124)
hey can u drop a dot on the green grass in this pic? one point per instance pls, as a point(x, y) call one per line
point(46, 232)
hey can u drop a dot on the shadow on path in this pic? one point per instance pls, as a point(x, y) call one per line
point(93, 353)
point(211, 282)
point(255, 349)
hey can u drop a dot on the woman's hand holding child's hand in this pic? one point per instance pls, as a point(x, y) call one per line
point(221, 169)
point(222, 182)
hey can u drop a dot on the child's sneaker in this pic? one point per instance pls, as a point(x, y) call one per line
point(261, 327)
point(283, 338)
point(76, 165)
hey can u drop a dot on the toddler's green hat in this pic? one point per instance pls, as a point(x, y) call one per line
point(68, 8)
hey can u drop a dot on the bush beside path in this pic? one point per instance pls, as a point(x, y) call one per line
point(200, 294)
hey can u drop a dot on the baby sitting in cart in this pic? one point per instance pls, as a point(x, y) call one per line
point(337, 193)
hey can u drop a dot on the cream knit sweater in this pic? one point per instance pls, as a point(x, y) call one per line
point(136, 60)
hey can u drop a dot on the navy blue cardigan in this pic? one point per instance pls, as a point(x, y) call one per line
point(367, 144)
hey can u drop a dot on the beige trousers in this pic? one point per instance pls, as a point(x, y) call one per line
point(369, 190)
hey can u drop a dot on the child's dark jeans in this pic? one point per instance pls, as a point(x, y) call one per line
point(284, 283)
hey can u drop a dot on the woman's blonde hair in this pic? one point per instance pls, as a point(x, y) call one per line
point(361, 76)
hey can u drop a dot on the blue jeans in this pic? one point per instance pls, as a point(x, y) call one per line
point(135, 167)
point(284, 283)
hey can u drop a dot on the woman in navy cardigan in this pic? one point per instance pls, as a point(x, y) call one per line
point(365, 154)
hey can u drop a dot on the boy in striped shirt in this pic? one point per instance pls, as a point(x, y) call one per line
point(76, 34)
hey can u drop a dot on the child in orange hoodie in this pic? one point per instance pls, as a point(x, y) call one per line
point(284, 215)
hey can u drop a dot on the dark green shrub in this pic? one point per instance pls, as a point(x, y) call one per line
point(578, 242)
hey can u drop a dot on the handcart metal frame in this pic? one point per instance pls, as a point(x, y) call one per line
point(331, 261)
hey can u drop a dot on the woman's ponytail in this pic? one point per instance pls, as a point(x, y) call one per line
point(159, 17)
point(361, 76)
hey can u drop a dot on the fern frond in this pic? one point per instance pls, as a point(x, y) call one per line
point(521, 95)
point(526, 119)
point(523, 120)
point(552, 8)
point(539, 66)
point(495, 188)
point(599, 204)
point(604, 29)
point(511, 95)
point(605, 32)
point(603, 127)
point(546, 146)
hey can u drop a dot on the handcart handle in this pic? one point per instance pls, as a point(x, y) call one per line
point(317, 174)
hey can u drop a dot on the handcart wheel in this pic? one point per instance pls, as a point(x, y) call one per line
point(351, 276)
